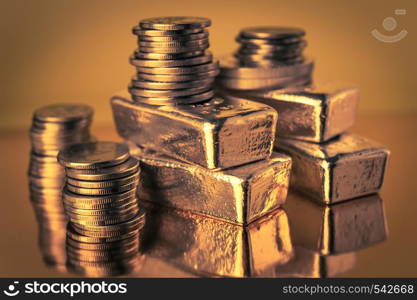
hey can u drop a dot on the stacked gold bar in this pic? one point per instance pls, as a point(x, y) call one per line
point(211, 156)
point(329, 165)
point(53, 128)
point(100, 202)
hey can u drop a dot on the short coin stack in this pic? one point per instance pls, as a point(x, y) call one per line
point(53, 128)
point(172, 64)
point(100, 202)
point(268, 57)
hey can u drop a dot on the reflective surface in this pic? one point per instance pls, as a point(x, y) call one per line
point(181, 244)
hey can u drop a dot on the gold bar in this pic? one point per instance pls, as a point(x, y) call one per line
point(240, 194)
point(207, 246)
point(346, 167)
point(221, 133)
point(314, 114)
point(339, 228)
point(310, 264)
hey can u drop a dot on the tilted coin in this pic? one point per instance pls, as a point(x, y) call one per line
point(136, 222)
point(77, 200)
point(103, 246)
point(63, 113)
point(271, 32)
point(74, 235)
point(157, 63)
point(154, 85)
point(124, 169)
point(102, 211)
point(231, 67)
point(104, 183)
point(93, 155)
point(168, 56)
point(169, 93)
point(176, 100)
point(102, 191)
point(211, 66)
point(174, 23)
point(102, 220)
point(173, 50)
point(174, 37)
point(177, 78)
point(164, 33)
point(173, 44)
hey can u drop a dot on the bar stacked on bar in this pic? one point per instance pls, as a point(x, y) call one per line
point(53, 128)
point(329, 165)
point(100, 202)
point(210, 155)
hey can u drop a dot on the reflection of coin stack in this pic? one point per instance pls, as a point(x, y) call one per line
point(210, 155)
point(172, 63)
point(268, 57)
point(53, 128)
point(100, 202)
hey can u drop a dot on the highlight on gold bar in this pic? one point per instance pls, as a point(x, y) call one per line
point(316, 114)
point(345, 167)
point(240, 194)
point(221, 133)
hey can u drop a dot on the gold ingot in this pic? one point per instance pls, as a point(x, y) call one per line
point(344, 227)
point(221, 133)
point(310, 264)
point(240, 194)
point(346, 167)
point(207, 246)
point(314, 114)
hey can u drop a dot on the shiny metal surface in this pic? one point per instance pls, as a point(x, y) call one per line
point(21, 256)
point(221, 133)
point(315, 114)
point(346, 167)
point(239, 194)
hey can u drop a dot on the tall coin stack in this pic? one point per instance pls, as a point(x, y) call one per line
point(268, 57)
point(172, 64)
point(54, 127)
point(100, 202)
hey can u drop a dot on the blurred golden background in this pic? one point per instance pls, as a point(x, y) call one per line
point(73, 50)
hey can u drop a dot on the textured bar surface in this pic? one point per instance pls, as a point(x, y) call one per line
point(339, 228)
point(221, 133)
point(314, 114)
point(239, 195)
point(346, 167)
point(208, 246)
point(311, 264)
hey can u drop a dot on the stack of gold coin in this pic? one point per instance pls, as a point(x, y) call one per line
point(268, 58)
point(54, 127)
point(100, 202)
point(172, 64)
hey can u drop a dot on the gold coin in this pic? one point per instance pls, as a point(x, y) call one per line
point(113, 183)
point(103, 191)
point(105, 173)
point(93, 155)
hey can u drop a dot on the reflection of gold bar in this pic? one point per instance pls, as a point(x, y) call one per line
point(239, 194)
point(310, 264)
point(346, 167)
point(208, 246)
point(339, 228)
point(313, 114)
point(221, 133)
